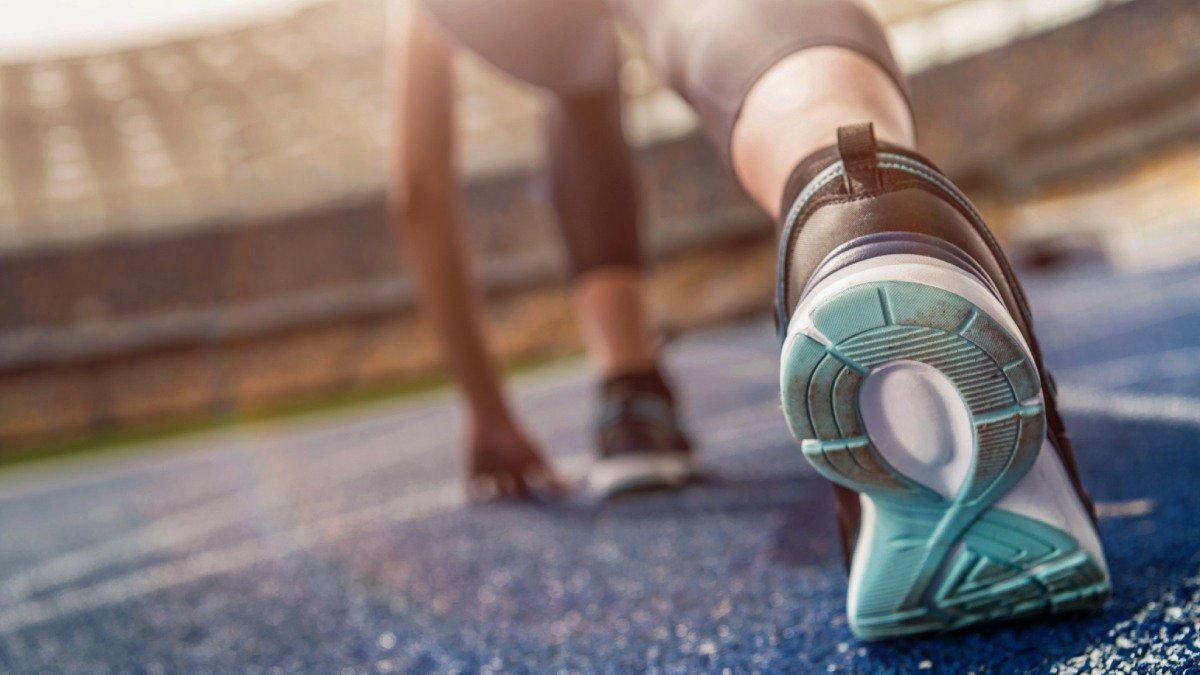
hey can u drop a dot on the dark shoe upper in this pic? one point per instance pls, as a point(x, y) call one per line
point(858, 189)
point(637, 416)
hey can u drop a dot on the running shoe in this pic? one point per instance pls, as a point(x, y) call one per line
point(640, 443)
point(911, 376)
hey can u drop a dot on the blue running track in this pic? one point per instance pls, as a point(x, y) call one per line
point(340, 542)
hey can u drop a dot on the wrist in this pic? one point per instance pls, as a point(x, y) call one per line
point(490, 419)
point(483, 402)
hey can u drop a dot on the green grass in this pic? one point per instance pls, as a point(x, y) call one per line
point(140, 438)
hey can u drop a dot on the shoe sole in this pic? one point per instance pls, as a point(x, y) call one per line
point(608, 477)
point(921, 401)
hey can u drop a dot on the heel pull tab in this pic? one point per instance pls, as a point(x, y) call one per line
point(857, 146)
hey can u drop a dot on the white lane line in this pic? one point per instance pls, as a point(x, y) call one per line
point(1159, 638)
point(181, 528)
point(1068, 336)
point(1182, 410)
point(229, 559)
point(159, 535)
point(144, 581)
point(1137, 368)
point(171, 453)
point(177, 529)
point(1130, 508)
point(726, 430)
point(1072, 305)
point(75, 474)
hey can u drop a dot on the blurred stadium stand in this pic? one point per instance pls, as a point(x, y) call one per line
point(196, 227)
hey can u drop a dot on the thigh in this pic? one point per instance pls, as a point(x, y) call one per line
point(713, 51)
point(566, 46)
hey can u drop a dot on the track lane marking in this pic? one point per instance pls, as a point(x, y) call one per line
point(28, 482)
point(181, 527)
point(448, 495)
point(1180, 410)
point(1139, 368)
point(405, 508)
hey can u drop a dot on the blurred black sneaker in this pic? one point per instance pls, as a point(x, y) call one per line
point(639, 441)
point(911, 375)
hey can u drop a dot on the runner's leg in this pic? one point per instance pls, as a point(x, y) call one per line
point(570, 53)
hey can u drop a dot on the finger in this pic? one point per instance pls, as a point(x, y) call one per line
point(481, 488)
point(545, 479)
point(506, 486)
point(520, 485)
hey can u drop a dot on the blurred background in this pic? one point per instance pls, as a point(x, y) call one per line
point(191, 193)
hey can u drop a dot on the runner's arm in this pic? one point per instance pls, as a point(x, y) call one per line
point(423, 209)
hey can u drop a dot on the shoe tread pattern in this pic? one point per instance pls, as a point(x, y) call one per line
point(935, 564)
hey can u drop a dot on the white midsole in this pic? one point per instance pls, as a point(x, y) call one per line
point(903, 267)
point(617, 473)
point(1045, 493)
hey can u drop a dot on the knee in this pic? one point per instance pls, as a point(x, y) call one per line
point(721, 35)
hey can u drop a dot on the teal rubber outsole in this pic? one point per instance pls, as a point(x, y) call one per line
point(934, 563)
